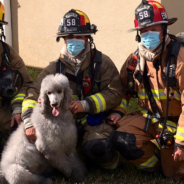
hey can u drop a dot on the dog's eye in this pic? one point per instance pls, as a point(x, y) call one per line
point(59, 91)
point(49, 93)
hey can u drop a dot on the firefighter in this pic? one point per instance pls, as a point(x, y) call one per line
point(96, 87)
point(14, 81)
point(154, 74)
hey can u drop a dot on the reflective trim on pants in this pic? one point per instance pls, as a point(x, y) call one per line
point(149, 163)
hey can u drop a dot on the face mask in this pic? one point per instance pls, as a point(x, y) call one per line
point(75, 46)
point(150, 39)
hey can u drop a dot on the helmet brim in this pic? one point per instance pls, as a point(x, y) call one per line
point(75, 34)
point(168, 22)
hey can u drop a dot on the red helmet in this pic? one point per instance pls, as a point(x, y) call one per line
point(150, 13)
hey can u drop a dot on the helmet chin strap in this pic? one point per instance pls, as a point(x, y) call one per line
point(3, 37)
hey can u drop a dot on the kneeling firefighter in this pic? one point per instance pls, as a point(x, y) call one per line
point(154, 74)
point(14, 81)
point(96, 87)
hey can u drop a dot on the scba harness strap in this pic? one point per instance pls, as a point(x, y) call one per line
point(5, 57)
point(94, 74)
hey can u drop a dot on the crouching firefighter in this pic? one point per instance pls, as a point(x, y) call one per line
point(14, 81)
point(95, 83)
point(154, 74)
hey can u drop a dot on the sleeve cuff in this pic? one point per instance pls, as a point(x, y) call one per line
point(85, 105)
point(117, 112)
point(17, 110)
point(27, 123)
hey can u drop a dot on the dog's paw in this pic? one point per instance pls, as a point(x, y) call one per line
point(40, 146)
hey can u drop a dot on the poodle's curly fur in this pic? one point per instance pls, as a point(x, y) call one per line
point(24, 162)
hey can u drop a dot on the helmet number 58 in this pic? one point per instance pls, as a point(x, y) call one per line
point(71, 22)
point(143, 14)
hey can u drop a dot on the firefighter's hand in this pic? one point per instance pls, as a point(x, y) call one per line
point(178, 154)
point(76, 107)
point(16, 119)
point(115, 118)
point(31, 134)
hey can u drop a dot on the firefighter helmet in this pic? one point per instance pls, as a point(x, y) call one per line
point(2, 14)
point(75, 22)
point(150, 13)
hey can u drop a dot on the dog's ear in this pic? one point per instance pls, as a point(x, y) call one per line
point(67, 98)
point(44, 103)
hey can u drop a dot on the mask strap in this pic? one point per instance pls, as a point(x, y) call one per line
point(3, 37)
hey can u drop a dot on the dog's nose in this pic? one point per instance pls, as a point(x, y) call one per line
point(54, 104)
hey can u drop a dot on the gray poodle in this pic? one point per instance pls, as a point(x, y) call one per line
point(24, 162)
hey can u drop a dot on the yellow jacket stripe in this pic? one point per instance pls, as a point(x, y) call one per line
point(149, 163)
point(76, 98)
point(180, 134)
point(145, 113)
point(18, 97)
point(171, 126)
point(158, 94)
point(99, 102)
point(28, 104)
point(123, 104)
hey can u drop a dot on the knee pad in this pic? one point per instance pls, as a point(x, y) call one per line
point(125, 144)
point(98, 149)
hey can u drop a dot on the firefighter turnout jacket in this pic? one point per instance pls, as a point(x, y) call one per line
point(15, 106)
point(159, 91)
point(108, 97)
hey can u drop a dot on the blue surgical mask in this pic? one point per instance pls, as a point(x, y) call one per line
point(150, 39)
point(75, 46)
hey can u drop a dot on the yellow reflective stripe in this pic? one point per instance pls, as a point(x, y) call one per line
point(158, 94)
point(142, 95)
point(0, 97)
point(83, 120)
point(149, 163)
point(180, 134)
point(155, 93)
point(76, 98)
point(99, 102)
point(18, 97)
point(172, 130)
point(28, 103)
point(177, 95)
point(123, 104)
point(145, 113)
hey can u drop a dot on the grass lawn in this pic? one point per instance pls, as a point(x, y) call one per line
point(125, 174)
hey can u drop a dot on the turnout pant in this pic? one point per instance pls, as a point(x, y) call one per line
point(5, 124)
point(97, 145)
point(136, 145)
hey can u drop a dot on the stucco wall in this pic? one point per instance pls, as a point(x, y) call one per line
point(175, 8)
point(35, 24)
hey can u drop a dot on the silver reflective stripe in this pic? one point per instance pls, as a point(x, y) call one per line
point(149, 164)
point(180, 134)
point(100, 103)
